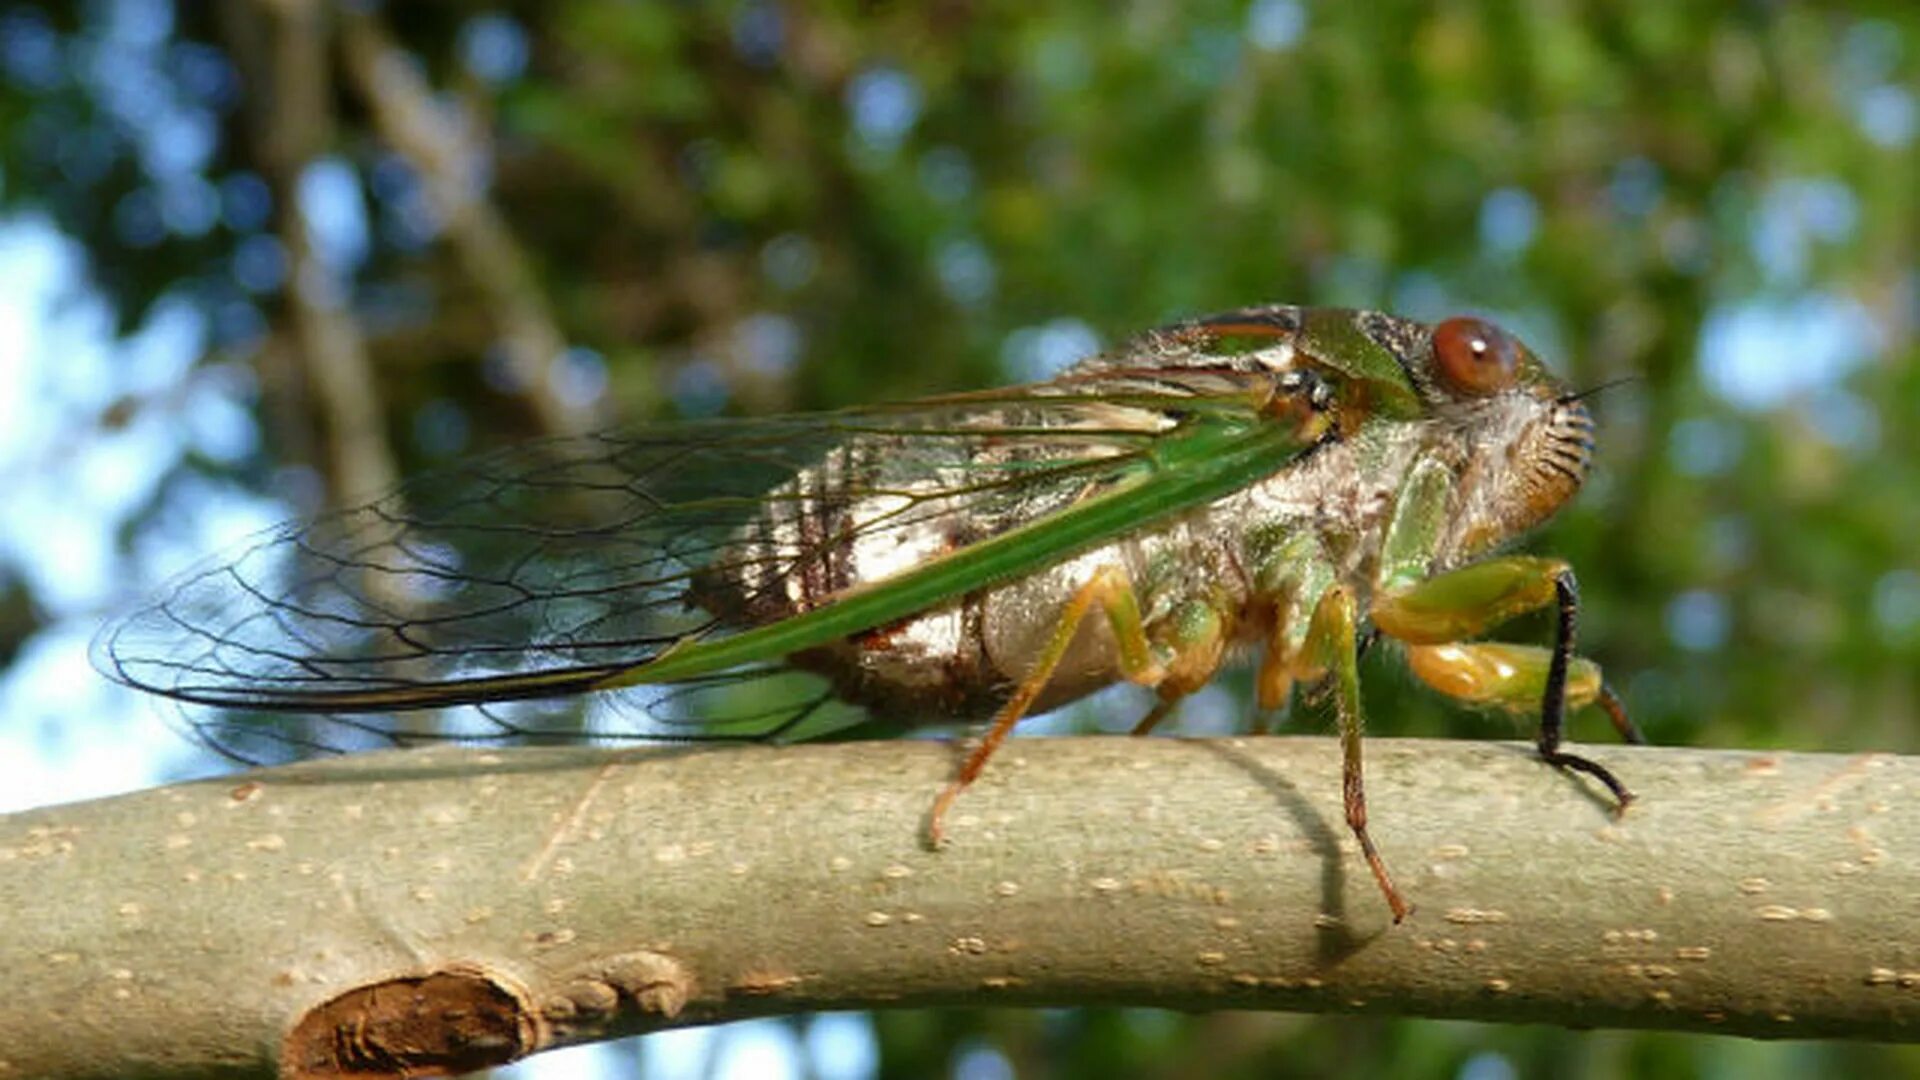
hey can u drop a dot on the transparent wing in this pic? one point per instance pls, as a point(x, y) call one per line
point(538, 572)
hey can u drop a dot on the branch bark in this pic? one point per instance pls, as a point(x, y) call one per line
point(454, 908)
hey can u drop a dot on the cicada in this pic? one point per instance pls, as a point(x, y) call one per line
point(1286, 482)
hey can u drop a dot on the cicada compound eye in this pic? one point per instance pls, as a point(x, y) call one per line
point(1474, 356)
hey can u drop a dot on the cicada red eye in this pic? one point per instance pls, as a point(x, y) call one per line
point(1474, 356)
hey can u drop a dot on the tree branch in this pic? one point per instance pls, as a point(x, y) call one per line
point(282, 44)
point(450, 159)
point(460, 908)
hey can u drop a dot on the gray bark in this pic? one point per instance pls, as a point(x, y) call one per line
point(461, 908)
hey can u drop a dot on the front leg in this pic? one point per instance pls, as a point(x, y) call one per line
point(1432, 616)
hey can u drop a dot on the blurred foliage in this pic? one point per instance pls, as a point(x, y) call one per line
point(757, 206)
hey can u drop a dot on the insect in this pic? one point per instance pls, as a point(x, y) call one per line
point(1279, 480)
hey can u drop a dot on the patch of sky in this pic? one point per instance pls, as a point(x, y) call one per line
point(204, 74)
point(1698, 620)
point(589, 1062)
point(498, 372)
point(300, 487)
point(1350, 280)
point(235, 322)
point(336, 213)
point(768, 344)
point(965, 270)
point(699, 163)
point(1212, 710)
point(746, 1050)
point(390, 177)
point(1207, 57)
point(975, 1059)
point(1792, 217)
point(757, 1050)
point(1729, 542)
point(32, 56)
point(189, 206)
point(219, 421)
point(1686, 244)
point(1487, 1065)
point(1844, 419)
point(124, 77)
point(1887, 114)
point(1150, 1026)
point(1896, 601)
point(48, 755)
point(681, 1053)
point(407, 216)
point(841, 1046)
point(136, 219)
point(789, 261)
point(1112, 709)
point(578, 377)
point(44, 273)
point(144, 23)
point(1634, 187)
point(180, 142)
point(759, 31)
point(441, 428)
point(946, 174)
point(135, 77)
point(1038, 353)
point(1420, 294)
point(82, 152)
point(1760, 354)
point(1061, 64)
point(246, 203)
point(259, 264)
point(1867, 76)
point(1704, 446)
point(201, 521)
point(1509, 221)
point(58, 530)
point(883, 104)
point(159, 354)
point(699, 388)
point(493, 47)
point(56, 537)
point(1274, 25)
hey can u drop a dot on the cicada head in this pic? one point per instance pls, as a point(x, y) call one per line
point(1526, 442)
point(1520, 444)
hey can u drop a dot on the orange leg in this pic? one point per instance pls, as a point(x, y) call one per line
point(1110, 588)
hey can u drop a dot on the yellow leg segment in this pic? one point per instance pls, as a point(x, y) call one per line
point(1431, 616)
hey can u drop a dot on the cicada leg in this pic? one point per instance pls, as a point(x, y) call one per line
point(1199, 643)
point(1333, 646)
point(1433, 615)
point(1109, 588)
